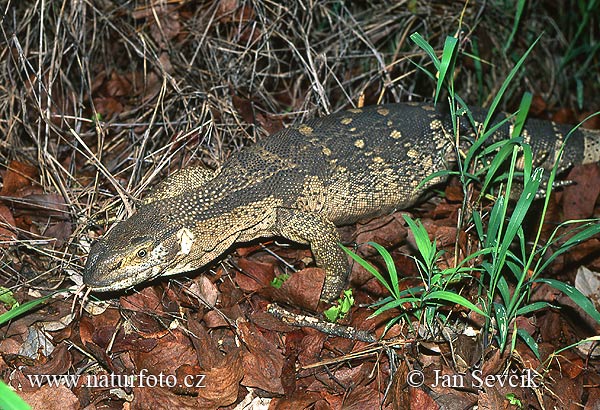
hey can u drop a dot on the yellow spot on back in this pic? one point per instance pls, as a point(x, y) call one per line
point(305, 129)
point(396, 134)
point(435, 125)
point(412, 153)
point(383, 111)
point(378, 160)
point(355, 110)
point(359, 143)
point(428, 108)
point(326, 151)
point(346, 120)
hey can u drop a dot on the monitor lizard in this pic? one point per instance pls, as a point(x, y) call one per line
point(300, 183)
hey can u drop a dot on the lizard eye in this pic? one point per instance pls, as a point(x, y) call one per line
point(142, 253)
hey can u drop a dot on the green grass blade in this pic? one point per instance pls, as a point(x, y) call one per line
point(369, 268)
point(501, 323)
point(421, 42)
point(389, 263)
point(453, 298)
point(437, 174)
point(532, 307)
point(446, 66)
point(10, 400)
point(579, 237)
point(495, 222)
point(529, 341)
point(421, 238)
point(521, 209)
point(395, 304)
point(504, 290)
point(518, 14)
point(505, 84)
point(26, 307)
point(497, 162)
point(522, 114)
point(575, 295)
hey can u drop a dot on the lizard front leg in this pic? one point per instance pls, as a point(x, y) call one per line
point(309, 228)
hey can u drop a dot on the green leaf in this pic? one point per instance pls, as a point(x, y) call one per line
point(279, 280)
point(7, 297)
point(575, 295)
point(453, 298)
point(390, 266)
point(342, 307)
point(529, 341)
point(26, 307)
point(9, 400)
point(421, 42)
point(532, 307)
point(369, 268)
point(501, 323)
point(446, 66)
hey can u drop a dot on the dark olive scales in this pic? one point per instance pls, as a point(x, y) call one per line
point(299, 184)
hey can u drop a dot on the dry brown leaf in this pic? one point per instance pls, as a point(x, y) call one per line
point(263, 363)
point(59, 362)
point(388, 231)
point(7, 226)
point(170, 352)
point(150, 398)
point(362, 397)
point(222, 382)
point(301, 289)
point(108, 107)
point(17, 176)
point(51, 398)
point(579, 200)
point(117, 86)
point(254, 275)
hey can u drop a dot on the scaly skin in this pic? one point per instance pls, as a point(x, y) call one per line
point(299, 184)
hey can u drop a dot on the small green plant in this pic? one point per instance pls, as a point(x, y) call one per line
point(421, 301)
point(341, 308)
point(514, 400)
point(278, 280)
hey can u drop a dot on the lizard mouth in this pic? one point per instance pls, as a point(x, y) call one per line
point(107, 283)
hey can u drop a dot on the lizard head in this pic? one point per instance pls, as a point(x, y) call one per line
point(137, 250)
point(154, 242)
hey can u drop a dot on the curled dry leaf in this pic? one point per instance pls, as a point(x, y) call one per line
point(263, 362)
point(7, 227)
